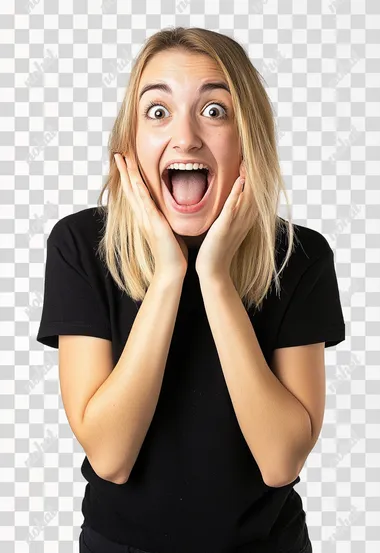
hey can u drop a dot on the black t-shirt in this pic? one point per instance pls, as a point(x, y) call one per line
point(195, 485)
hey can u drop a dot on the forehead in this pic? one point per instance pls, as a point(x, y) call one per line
point(181, 68)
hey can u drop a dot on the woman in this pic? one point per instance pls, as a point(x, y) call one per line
point(191, 326)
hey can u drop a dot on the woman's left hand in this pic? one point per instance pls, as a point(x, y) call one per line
point(227, 232)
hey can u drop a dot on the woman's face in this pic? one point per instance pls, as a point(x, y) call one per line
point(187, 125)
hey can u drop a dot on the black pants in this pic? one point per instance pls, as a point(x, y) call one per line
point(93, 542)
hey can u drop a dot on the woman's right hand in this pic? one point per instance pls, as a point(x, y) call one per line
point(169, 250)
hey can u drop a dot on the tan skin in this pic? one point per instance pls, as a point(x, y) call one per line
point(185, 125)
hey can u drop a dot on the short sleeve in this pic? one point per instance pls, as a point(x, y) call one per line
point(72, 302)
point(314, 313)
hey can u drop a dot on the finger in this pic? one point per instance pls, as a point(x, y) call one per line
point(242, 169)
point(143, 195)
point(237, 201)
point(121, 164)
point(129, 175)
point(125, 178)
point(138, 190)
point(136, 177)
point(132, 168)
point(126, 182)
point(235, 193)
point(122, 167)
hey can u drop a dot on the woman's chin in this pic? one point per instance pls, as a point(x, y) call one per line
point(190, 237)
point(189, 230)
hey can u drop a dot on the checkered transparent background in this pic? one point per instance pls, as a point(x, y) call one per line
point(64, 67)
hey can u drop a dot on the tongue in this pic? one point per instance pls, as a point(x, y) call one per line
point(188, 187)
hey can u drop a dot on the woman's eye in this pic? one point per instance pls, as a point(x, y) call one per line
point(224, 110)
point(157, 108)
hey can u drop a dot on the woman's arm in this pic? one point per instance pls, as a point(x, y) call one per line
point(275, 425)
point(119, 414)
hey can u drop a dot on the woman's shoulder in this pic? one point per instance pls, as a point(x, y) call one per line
point(84, 227)
point(309, 244)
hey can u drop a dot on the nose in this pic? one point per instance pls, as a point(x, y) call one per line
point(185, 133)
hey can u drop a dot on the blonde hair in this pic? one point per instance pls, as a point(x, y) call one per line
point(123, 246)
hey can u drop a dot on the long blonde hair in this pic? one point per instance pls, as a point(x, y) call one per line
point(123, 246)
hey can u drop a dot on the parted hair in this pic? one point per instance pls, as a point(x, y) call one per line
point(123, 246)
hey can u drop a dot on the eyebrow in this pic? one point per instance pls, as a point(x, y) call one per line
point(205, 87)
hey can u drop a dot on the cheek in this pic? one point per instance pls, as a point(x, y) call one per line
point(149, 149)
point(145, 135)
point(226, 149)
point(145, 155)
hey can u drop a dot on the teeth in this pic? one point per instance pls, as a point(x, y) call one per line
point(187, 166)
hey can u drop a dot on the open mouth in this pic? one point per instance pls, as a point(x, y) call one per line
point(182, 204)
point(167, 177)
